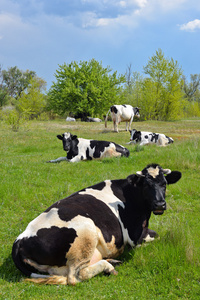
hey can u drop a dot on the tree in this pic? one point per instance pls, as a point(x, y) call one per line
point(86, 88)
point(191, 89)
point(166, 76)
point(16, 81)
point(31, 103)
point(3, 91)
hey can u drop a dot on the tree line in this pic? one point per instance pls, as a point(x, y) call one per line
point(87, 88)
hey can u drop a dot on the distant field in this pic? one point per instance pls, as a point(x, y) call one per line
point(168, 268)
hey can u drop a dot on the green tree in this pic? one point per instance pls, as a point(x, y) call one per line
point(31, 103)
point(166, 76)
point(16, 81)
point(132, 89)
point(3, 91)
point(192, 89)
point(85, 88)
point(148, 99)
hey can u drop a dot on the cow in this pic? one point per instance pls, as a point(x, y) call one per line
point(144, 138)
point(122, 113)
point(82, 149)
point(81, 236)
point(70, 119)
point(90, 119)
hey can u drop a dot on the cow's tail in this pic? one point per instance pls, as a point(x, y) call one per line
point(45, 279)
point(106, 118)
point(17, 258)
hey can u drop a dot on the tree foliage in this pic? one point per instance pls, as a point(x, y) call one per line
point(166, 77)
point(191, 89)
point(86, 88)
point(31, 103)
point(3, 91)
point(160, 93)
point(16, 81)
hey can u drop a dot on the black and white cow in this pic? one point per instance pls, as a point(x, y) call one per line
point(80, 236)
point(144, 138)
point(122, 113)
point(82, 149)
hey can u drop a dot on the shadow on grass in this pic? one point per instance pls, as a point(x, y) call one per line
point(128, 254)
point(9, 272)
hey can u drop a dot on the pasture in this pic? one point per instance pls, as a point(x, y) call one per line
point(168, 268)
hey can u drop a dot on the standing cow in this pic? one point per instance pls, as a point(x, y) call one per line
point(78, 237)
point(122, 113)
point(82, 149)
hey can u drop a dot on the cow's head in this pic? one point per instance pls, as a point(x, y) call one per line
point(67, 139)
point(154, 180)
point(135, 135)
point(136, 112)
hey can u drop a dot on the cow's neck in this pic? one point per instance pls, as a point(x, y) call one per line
point(135, 215)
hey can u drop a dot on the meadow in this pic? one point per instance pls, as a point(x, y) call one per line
point(168, 268)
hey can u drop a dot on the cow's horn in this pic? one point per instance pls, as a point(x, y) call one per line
point(139, 174)
point(167, 171)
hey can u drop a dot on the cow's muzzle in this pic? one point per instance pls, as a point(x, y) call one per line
point(159, 209)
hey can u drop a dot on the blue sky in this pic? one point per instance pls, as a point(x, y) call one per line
point(39, 35)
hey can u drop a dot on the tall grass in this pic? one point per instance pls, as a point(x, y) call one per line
point(168, 268)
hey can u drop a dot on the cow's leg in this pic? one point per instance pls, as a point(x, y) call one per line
point(57, 160)
point(130, 122)
point(144, 143)
point(147, 235)
point(115, 126)
point(93, 270)
point(111, 153)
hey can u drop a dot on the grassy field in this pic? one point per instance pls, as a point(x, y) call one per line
point(168, 268)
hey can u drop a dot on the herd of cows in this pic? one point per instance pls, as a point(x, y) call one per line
point(81, 236)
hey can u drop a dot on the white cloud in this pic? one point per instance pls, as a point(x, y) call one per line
point(123, 13)
point(191, 26)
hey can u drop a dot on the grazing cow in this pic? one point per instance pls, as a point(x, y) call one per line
point(81, 149)
point(122, 113)
point(80, 236)
point(144, 138)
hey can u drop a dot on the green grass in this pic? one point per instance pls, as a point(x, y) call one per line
point(168, 268)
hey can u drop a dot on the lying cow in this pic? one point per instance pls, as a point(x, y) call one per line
point(122, 113)
point(78, 237)
point(144, 138)
point(82, 149)
point(70, 119)
point(90, 119)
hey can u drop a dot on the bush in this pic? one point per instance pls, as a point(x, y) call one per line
point(12, 118)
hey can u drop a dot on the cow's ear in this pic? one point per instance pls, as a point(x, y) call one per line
point(140, 174)
point(132, 179)
point(60, 137)
point(173, 177)
point(73, 137)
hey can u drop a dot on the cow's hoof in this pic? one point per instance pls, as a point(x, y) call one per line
point(114, 262)
point(114, 272)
